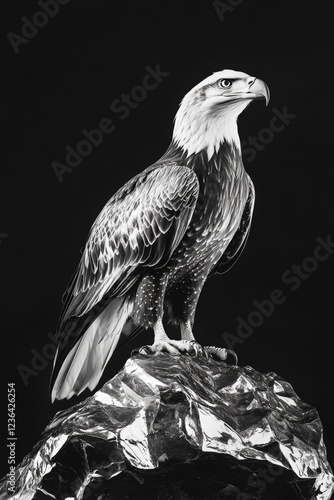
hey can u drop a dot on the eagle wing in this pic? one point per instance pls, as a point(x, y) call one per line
point(141, 225)
point(239, 240)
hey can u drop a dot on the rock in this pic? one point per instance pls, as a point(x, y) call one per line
point(179, 427)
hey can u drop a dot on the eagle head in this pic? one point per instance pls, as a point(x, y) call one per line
point(208, 114)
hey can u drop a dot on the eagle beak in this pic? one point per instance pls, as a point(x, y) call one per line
point(260, 90)
point(257, 90)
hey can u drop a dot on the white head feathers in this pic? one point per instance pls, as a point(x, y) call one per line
point(208, 114)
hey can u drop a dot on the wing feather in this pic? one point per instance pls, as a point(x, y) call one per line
point(239, 240)
point(141, 225)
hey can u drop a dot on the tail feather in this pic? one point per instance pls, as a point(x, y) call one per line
point(86, 361)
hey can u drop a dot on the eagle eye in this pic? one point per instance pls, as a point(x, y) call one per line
point(225, 83)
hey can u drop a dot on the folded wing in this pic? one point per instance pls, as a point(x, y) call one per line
point(139, 227)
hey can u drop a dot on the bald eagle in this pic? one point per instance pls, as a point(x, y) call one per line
point(156, 241)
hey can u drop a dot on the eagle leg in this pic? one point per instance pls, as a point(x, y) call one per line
point(186, 331)
point(220, 353)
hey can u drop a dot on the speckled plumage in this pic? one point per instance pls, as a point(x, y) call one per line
point(158, 238)
point(224, 190)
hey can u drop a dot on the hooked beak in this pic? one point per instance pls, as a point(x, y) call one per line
point(257, 90)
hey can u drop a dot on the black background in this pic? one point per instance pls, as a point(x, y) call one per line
point(64, 80)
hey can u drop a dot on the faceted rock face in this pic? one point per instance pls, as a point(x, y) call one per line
point(178, 427)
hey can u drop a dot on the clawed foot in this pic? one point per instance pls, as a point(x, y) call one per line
point(220, 353)
point(174, 347)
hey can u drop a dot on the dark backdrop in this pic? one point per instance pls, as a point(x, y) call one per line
point(64, 78)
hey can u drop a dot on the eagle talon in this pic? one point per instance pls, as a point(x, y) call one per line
point(145, 349)
point(220, 353)
point(135, 352)
point(194, 347)
point(234, 354)
point(197, 349)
